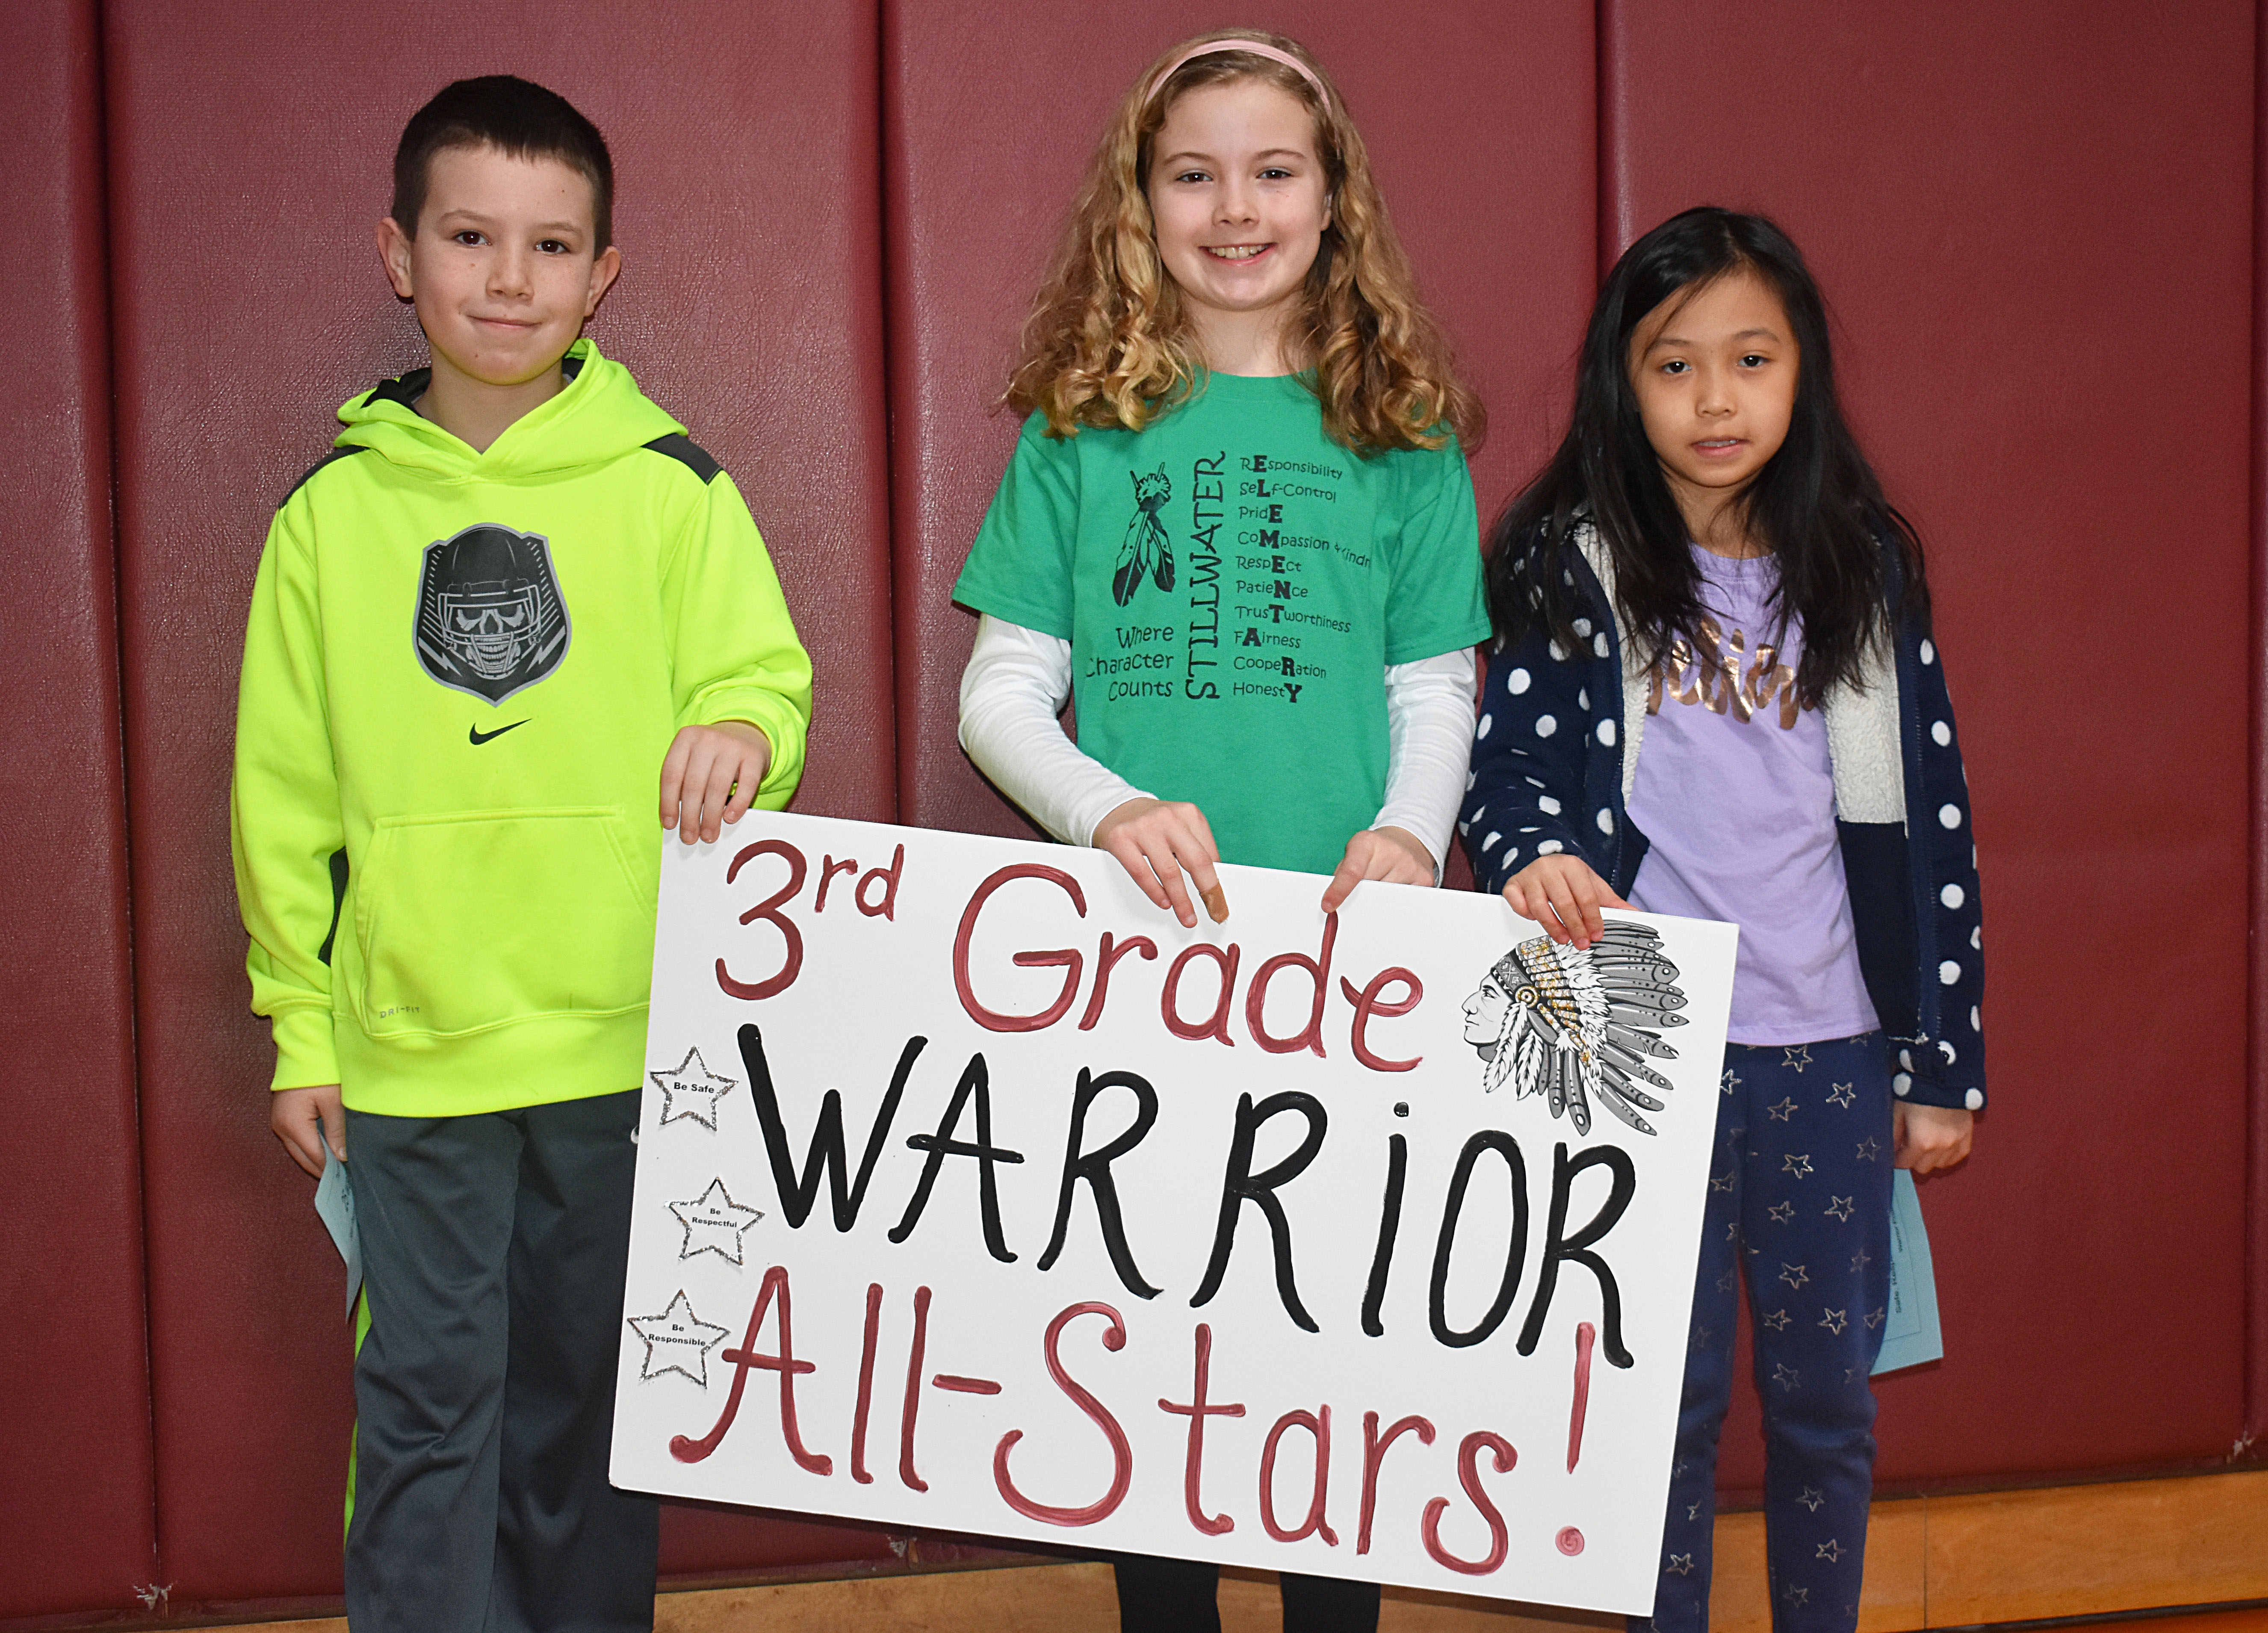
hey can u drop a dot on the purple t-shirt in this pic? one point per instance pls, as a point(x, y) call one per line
point(1735, 793)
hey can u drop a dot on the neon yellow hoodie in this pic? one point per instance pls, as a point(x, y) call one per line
point(461, 673)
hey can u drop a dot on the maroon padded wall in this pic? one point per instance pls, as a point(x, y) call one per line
point(2256, 1258)
point(250, 146)
point(75, 1496)
point(2035, 226)
point(1479, 125)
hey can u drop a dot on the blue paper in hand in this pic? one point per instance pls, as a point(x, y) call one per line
point(335, 1206)
point(1910, 1334)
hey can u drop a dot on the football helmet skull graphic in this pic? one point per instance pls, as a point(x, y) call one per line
point(490, 620)
point(1575, 1026)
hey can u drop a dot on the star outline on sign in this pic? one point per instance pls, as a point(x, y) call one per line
point(1831, 1550)
point(1779, 1321)
point(1782, 1213)
point(1796, 1058)
point(1842, 1094)
point(712, 1214)
point(1874, 1318)
point(1729, 1082)
point(1842, 1208)
point(1812, 1498)
point(701, 1087)
point(1869, 1149)
point(1860, 1260)
point(678, 1330)
point(1794, 1275)
point(1785, 1112)
point(1835, 1320)
point(1680, 1565)
point(1787, 1377)
point(1797, 1162)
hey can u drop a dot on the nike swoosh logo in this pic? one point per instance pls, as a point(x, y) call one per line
point(480, 737)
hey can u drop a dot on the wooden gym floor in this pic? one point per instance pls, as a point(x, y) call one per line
point(2103, 1557)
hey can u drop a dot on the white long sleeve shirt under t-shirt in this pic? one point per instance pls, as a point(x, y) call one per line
point(1017, 680)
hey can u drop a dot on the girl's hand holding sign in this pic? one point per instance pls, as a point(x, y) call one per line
point(1563, 895)
point(1158, 840)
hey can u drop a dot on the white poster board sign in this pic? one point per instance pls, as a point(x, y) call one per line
point(975, 1195)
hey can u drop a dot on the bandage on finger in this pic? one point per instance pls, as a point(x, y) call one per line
point(1215, 901)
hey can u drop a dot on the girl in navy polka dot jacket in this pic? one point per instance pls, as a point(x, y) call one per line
point(1712, 691)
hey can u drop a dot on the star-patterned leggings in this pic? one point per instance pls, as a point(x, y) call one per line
point(1800, 1197)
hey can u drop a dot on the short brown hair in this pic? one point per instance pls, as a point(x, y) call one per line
point(516, 117)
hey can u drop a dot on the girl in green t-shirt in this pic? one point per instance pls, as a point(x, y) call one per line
point(1239, 527)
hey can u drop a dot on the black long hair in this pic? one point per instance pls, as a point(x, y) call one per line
point(1816, 505)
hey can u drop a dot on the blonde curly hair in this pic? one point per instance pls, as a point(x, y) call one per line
point(1107, 342)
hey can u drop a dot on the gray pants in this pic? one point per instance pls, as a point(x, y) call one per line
point(494, 1247)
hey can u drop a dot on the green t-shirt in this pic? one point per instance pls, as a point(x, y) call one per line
point(1233, 583)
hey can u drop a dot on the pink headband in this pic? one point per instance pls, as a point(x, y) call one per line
point(1258, 47)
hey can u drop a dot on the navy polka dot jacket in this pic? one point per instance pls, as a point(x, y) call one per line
point(1556, 749)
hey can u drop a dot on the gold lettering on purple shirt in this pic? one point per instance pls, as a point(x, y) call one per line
point(1710, 671)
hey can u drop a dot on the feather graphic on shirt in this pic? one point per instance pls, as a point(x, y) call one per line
point(1146, 550)
point(1578, 1027)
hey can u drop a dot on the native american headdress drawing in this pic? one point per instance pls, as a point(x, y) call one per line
point(1577, 1027)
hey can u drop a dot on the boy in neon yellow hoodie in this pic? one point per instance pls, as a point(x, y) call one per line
point(513, 591)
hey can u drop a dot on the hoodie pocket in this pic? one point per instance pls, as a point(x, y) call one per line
point(481, 918)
